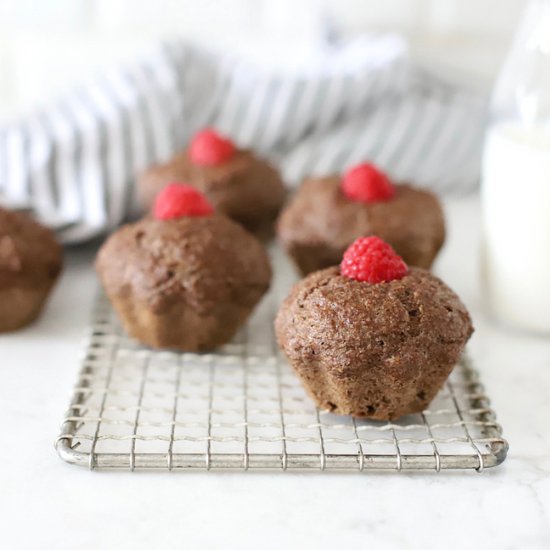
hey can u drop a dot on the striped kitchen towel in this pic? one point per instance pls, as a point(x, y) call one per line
point(74, 163)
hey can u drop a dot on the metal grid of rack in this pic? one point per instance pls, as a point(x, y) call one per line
point(242, 408)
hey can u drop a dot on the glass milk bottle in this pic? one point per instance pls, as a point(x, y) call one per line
point(516, 181)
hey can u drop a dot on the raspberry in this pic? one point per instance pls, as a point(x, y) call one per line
point(366, 183)
point(208, 148)
point(178, 199)
point(372, 260)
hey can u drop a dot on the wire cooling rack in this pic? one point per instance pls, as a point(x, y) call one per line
point(242, 408)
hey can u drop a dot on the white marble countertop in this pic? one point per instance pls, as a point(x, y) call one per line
point(45, 503)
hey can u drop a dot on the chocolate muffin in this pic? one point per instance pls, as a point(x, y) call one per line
point(237, 183)
point(30, 263)
point(372, 350)
point(185, 279)
point(325, 216)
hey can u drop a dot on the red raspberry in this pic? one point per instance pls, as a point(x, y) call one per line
point(366, 183)
point(208, 148)
point(372, 260)
point(178, 199)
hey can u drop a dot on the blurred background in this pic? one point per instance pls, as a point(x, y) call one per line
point(45, 45)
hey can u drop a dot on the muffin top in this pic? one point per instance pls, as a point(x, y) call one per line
point(234, 187)
point(320, 212)
point(29, 252)
point(198, 260)
point(347, 324)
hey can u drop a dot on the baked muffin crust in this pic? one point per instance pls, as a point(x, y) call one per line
point(187, 283)
point(247, 189)
point(320, 222)
point(372, 350)
point(30, 263)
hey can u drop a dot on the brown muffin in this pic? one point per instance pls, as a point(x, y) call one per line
point(375, 351)
point(245, 188)
point(30, 263)
point(187, 283)
point(321, 221)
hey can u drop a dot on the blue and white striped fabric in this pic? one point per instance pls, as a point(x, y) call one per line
point(74, 164)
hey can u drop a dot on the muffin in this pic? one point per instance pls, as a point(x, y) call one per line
point(30, 263)
point(237, 183)
point(185, 278)
point(326, 215)
point(372, 338)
